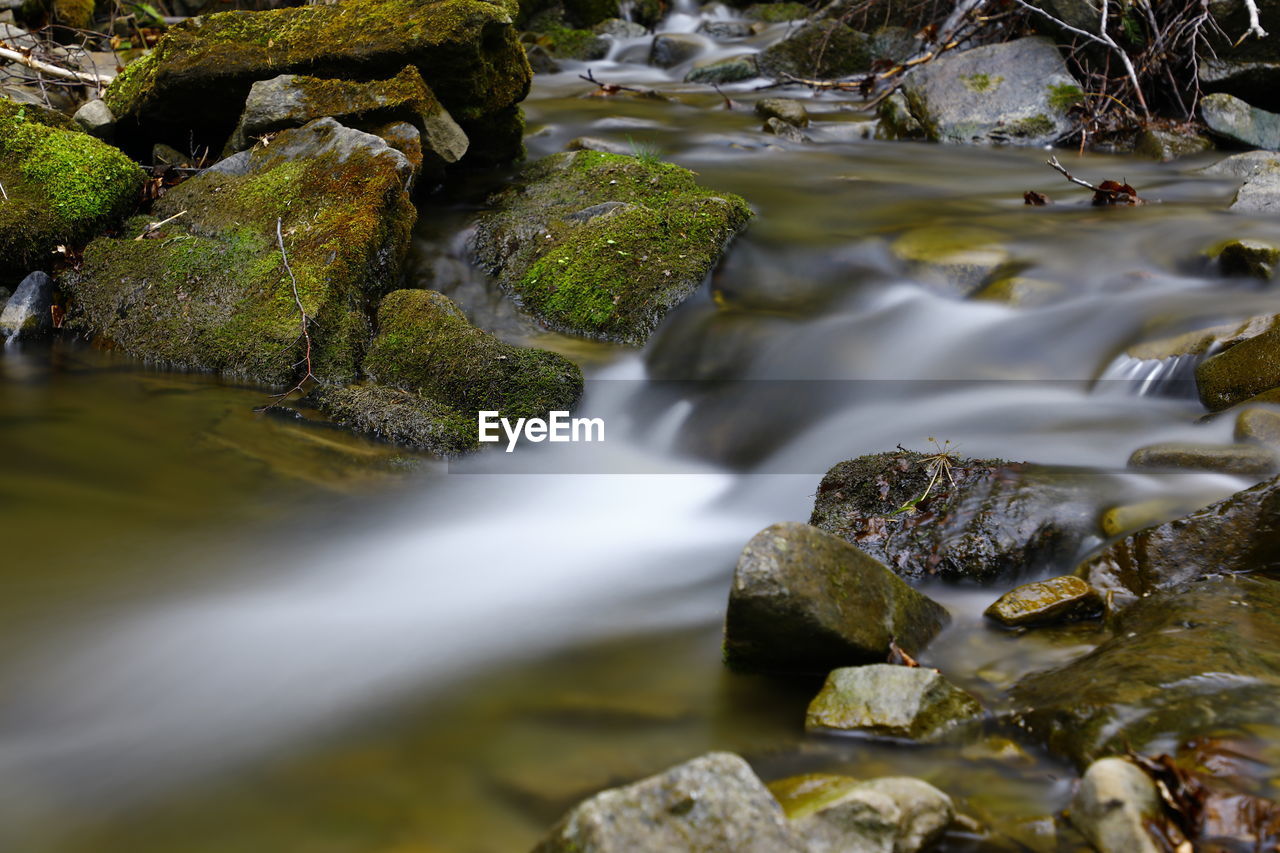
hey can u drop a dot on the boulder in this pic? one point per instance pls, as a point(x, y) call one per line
point(1165, 144)
point(291, 100)
point(885, 700)
point(1014, 93)
point(820, 49)
point(1251, 258)
point(840, 814)
point(672, 49)
point(1240, 533)
point(731, 69)
point(214, 292)
point(778, 127)
point(195, 82)
point(1259, 194)
point(604, 245)
point(1234, 120)
point(711, 803)
point(398, 417)
point(788, 110)
point(1114, 805)
point(1242, 459)
point(564, 43)
point(26, 313)
point(63, 186)
point(1240, 372)
point(96, 119)
point(1202, 341)
point(1259, 425)
point(998, 521)
point(804, 600)
point(1047, 602)
point(1199, 659)
point(1247, 164)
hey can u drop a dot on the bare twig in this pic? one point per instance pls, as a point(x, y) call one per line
point(23, 58)
point(3, 193)
point(153, 227)
point(608, 87)
point(1255, 26)
point(304, 322)
point(1053, 163)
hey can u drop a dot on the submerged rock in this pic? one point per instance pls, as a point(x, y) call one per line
point(214, 293)
point(1242, 371)
point(804, 600)
point(788, 110)
point(1183, 662)
point(1233, 119)
point(63, 186)
point(840, 814)
point(1047, 602)
point(955, 259)
point(1114, 805)
point(195, 81)
point(1240, 533)
point(1015, 93)
point(1253, 258)
point(26, 313)
point(822, 49)
point(1240, 459)
point(885, 700)
point(998, 521)
point(1259, 425)
point(711, 803)
point(604, 245)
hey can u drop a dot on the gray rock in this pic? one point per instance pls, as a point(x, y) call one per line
point(925, 812)
point(96, 119)
point(1240, 459)
point(803, 600)
point(1015, 93)
point(1259, 194)
point(1233, 119)
point(728, 70)
point(778, 127)
point(595, 143)
point(672, 49)
point(1047, 602)
point(840, 814)
point(895, 44)
point(619, 29)
point(16, 37)
point(822, 49)
point(914, 703)
point(711, 803)
point(1248, 164)
point(26, 314)
point(1165, 145)
point(1113, 806)
point(541, 60)
point(786, 109)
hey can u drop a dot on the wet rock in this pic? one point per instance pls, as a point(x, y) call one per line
point(804, 600)
point(594, 143)
point(1019, 291)
point(914, 703)
point(725, 29)
point(1015, 93)
point(957, 258)
point(1047, 602)
point(291, 100)
point(196, 80)
point(999, 520)
point(1183, 663)
point(841, 814)
point(784, 109)
point(1233, 119)
point(611, 276)
point(1248, 164)
point(894, 44)
point(96, 119)
point(1259, 425)
point(63, 186)
point(399, 417)
point(1113, 806)
point(896, 120)
point(1201, 341)
point(711, 803)
point(1240, 533)
point(778, 127)
point(1227, 458)
point(1253, 258)
point(1165, 145)
point(581, 45)
point(1127, 518)
point(1238, 373)
point(214, 293)
point(619, 29)
point(26, 312)
point(728, 70)
point(671, 49)
point(822, 49)
point(1259, 194)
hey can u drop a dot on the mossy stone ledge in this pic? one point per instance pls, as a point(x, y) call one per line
point(603, 245)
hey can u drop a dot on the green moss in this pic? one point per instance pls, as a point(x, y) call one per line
point(1064, 96)
point(400, 417)
point(588, 13)
point(569, 43)
point(77, 14)
point(1036, 125)
point(773, 13)
point(981, 82)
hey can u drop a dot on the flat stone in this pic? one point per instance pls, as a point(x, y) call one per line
point(1227, 458)
point(1047, 602)
point(1233, 119)
point(1113, 806)
point(884, 700)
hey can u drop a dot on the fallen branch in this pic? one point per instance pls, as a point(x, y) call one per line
point(1054, 164)
point(1255, 25)
point(23, 58)
point(610, 88)
point(1106, 194)
point(304, 322)
point(153, 227)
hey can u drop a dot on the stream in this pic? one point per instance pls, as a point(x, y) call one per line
point(226, 631)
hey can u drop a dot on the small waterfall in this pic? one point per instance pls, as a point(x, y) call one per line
point(1150, 377)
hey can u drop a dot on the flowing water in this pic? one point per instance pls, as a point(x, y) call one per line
point(225, 631)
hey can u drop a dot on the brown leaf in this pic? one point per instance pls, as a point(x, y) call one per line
point(1036, 199)
point(1114, 193)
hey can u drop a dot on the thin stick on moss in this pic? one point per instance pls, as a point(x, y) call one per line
point(304, 320)
point(153, 227)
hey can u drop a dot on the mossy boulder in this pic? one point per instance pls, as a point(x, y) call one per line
point(604, 245)
point(805, 601)
point(821, 49)
point(998, 519)
point(1240, 372)
point(399, 417)
point(1183, 662)
point(1240, 533)
point(885, 700)
point(1170, 143)
point(211, 289)
point(195, 81)
point(63, 186)
point(1047, 602)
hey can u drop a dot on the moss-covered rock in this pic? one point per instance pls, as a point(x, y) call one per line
point(913, 703)
point(1242, 459)
point(1259, 425)
point(604, 245)
point(63, 186)
point(400, 417)
point(1248, 257)
point(1165, 144)
point(775, 13)
point(1247, 368)
point(842, 813)
point(567, 43)
point(730, 69)
point(196, 80)
point(211, 289)
point(1047, 602)
point(821, 49)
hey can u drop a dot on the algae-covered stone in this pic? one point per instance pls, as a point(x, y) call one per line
point(998, 521)
point(1240, 459)
point(196, 79)
point(1114, 805)
point(1165, 144)
point(1047, 602)
point(1014, 93)
point(1126, 518)
point(1233, 119)
point(731, 69)
point(821, 49)
point(914, 703)
point(955, 258)
point(841, 814)
point(711, 803)
point(1240, 372)
point(62, 186)
point(1240, 533)
point(1253, 258)
point(1183, 663)
point(804, 600)
point(604, 245)
point(1201, 341)
point(212, 291)
point(1019, 291)
point(1259, 425)
point(400, 417)
point(772, 13)
point(788, 110)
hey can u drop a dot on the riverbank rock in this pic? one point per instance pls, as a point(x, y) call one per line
point(839, 814)
point(711, 803)
point(1047, 602)
point(1233, 119)
point(1244, 370)
point(885, 700)
point(1015, 93)
point(26, 312)
point(1239, 64)
point(1166, 144)
point(604, 245)
point(212, 290)
point(998, 521)
point(822, 49)
point(195, 82)
point(1183, 662)
point(1242, 459)
point(63, 187)
point(804, 600)
point(1240, 533)
point(1114, 805)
